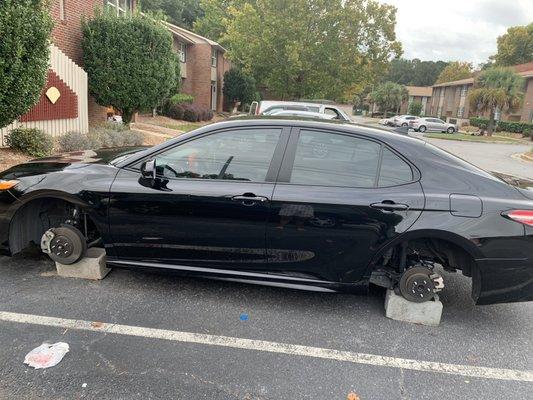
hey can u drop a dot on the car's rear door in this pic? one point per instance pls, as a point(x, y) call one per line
point(210, 206)
point(338, 199)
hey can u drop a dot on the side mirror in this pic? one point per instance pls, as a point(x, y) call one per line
point(148, 170)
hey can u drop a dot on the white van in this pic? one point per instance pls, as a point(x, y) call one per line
point(270, 107)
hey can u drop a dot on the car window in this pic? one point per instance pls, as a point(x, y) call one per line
point(243, 155)
point(329, 159)
point(332, 111)
point(394, 171)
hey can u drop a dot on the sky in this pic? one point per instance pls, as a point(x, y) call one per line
point(456, 30)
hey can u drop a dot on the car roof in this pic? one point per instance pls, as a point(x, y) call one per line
point(268, 103)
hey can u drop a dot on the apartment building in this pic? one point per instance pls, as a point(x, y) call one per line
point(203, 65)
point(450, 99)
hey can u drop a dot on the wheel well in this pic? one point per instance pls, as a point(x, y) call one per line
point(34, 218)
point(423, 251)
point(409, 252)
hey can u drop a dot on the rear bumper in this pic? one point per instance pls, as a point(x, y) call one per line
point(503, 281)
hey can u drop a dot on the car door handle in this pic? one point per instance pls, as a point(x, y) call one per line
point(390, 206)
point(249, 200)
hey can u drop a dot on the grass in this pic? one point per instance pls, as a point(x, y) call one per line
point(183, 127)
point(470, 138)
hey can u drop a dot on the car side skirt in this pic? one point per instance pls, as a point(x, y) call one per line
point(258, 278)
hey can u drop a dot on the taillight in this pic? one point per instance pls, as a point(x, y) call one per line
point(523, 216)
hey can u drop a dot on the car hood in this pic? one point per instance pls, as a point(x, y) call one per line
point(524, 186)
point(71, 160)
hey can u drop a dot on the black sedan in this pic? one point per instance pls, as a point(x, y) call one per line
point(302, 204)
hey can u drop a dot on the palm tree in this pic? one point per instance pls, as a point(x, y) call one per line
point(496, 89)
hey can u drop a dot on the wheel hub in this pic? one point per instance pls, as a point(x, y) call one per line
point(61, 246)
point(420, 284)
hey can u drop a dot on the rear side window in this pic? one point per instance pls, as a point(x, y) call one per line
point(393, 171)
point(335, 160)
point(328, 159)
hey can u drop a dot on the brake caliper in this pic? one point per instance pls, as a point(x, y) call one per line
point(46, 239)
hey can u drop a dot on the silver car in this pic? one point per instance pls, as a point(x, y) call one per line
point(432, 124)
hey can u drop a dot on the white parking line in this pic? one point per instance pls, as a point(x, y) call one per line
point(272, 347)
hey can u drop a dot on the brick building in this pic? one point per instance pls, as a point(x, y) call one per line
point(65, 105)
point(450, 99)
point(202, 65)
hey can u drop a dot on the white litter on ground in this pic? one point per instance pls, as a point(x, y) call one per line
point(46, 355)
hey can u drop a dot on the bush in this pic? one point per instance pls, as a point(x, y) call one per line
point(107, 135)
point(25, 27)
point(524, 128)
point(189, 113)
point(137, 44)
point(238, 86)
point(75, 141)
point(415, 108)
point(181, 98)
point(31, 141)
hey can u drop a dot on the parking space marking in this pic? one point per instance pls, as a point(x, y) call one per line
point(272, 347)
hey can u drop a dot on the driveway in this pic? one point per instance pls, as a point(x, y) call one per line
point(489, 156)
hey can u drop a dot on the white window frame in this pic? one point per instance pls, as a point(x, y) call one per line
point(120, 6)
point(182, 52)
point(62, 10)
point(214, 57)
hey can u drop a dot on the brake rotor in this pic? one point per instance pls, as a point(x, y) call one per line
point(65, 244)
point(420, 284)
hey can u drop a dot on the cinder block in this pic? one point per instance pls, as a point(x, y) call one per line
point(400, 309)
point(92, 266)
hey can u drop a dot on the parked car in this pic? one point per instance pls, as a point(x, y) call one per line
point(283, 202)
point(298, 113)
point(403, 120)
point(387, 121)
point(267, 107)
point(432, 124)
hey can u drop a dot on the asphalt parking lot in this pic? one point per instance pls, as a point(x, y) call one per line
point(145, 335)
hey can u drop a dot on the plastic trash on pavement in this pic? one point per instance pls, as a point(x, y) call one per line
point(46, 355)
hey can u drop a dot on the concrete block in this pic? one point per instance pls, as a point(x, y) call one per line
point(92, 266)
point(399, 309)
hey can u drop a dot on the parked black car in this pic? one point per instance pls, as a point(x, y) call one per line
point(303, 204)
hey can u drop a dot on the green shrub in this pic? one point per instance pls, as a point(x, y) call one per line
point(115, 135)
point(524, 128)
point(31, 141)
point(181, 98)
point(129, 60)
point(25, 27)
point(415, 108)
point(75, 141)
point(106, 135)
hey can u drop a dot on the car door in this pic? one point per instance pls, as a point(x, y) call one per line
point(440, 125)
point(209, 206)
point(339, 198)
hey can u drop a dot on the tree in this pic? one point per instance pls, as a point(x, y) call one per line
point(415, 108)
point(389, 97)
point(239, 87)
point(515, 46)
point(25, 27)
point(311, 48)
point(129, 60)
point(455, 71)
point(414, 72)
point(179, 12)
point(496, 89)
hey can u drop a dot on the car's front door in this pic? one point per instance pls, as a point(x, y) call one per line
point(208, 206)
point(338, 199)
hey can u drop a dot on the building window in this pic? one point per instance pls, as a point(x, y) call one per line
point(497, 114)
point(464, 88)
point(182, 52)
point(460, 112)
point(62, 10)
point(120, 6)
point(214, 58)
